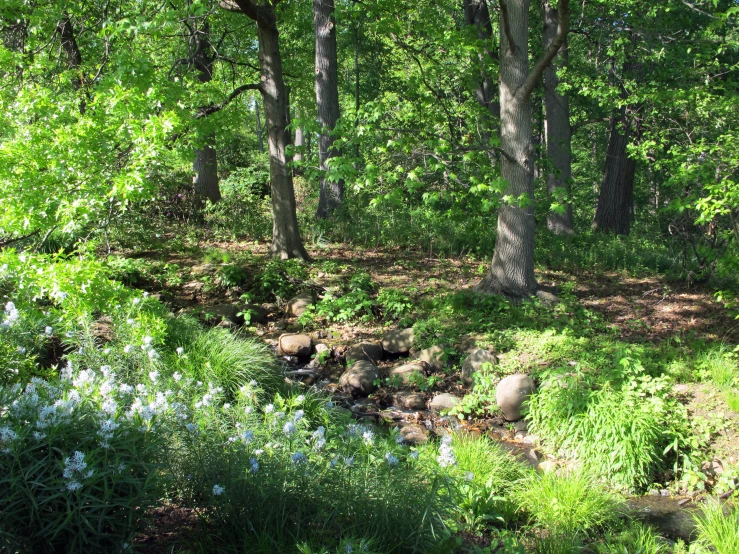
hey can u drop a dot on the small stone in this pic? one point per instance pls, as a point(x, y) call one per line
point(320, 348)
point(294, 345)
point(223, 312)
point(280, 325)
point(530, 440)
point(444, 401)
point(297, 305)
point(511, 394)
point(434, 356)
point(404, 372)
point(520, 426)
point(410, 400)
point(398, 341)
point(368, 351)
point(474, 362)
point(664, 492)
point(547, 466)
point(414, 434)
point(360, 378)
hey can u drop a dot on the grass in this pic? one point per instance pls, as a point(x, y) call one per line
point(636, 538)
point(718, 531)
point(568, 505)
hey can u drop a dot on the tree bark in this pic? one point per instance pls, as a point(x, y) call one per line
point(259, 126)
point(327, 98)
point(558, 131)
point(512, 269)
point(74, 55)
point(286, 241)
point(613, 214)
point(205, 165)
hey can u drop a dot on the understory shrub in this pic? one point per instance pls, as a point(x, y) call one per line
point(625, 412)
point(78, 462)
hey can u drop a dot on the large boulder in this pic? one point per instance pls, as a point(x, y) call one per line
point(359, 379)
point(434, 356)
point(511, 394)
point(410, 400)
point(294, 345)
point(414, 434)
point(223, 312)
point(473, 363)
point(444, 401)
point(297, 305)
point(399, 341)
point(404, 372)
point(367, 351)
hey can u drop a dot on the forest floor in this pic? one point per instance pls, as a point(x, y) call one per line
point(647, 311)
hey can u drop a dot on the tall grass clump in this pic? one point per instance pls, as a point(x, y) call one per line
point(718, 529)
point(618, 424)
point(568, 505)
point(487, 476)
point(225, 359)
point(636, 538)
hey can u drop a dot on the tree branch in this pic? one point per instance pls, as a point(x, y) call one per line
point(563, 24)
point(213, 108)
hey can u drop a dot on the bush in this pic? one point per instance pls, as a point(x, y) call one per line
point(78, 466)
point(625, 412)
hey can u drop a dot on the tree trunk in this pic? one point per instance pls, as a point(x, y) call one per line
point(259, 126)
point(286, 242)
point(476, 13)
point(512, 269)
point(327, 98)
point(205, 165)
point(299, 147)
point(613, 214)
point(74, 55)
point(558, 134)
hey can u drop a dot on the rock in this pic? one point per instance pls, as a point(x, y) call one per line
point(360, 378)
point(444, 401)
point(547, 466)
point(404, 372)
point(547, 298)
point(713, 468)
point(297, 305)
point(473, 363)
point(434, 356)
point(320, 348)
point(224, 312)
point(414, 434)
point(511, 394)
point(367, 351)
point(530, 440)
point(203, 269)
point(257, 314)
point(410, 400)
point(294, 345)
point(520, 427)
point(399, 341)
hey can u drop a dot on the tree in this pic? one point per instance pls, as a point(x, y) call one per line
point(286, 241)
point(558, 131)
point(327, 99)
point(512, 269)
point(205, 165)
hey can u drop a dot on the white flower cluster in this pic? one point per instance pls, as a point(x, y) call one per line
point(446, 454)
point(318, 438)
point(12, 315)
point(74, 471)
point(7, 436)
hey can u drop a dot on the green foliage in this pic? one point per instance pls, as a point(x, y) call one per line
point(279, 279)
point(79, 464)
point(354, 302)
point(568, 506)
point(625, 411)
point(637, 538)
point(718, 529)
point(394, 304)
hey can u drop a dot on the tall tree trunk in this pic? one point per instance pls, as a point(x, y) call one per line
point(558, 131)
point(286, 241)
point(205, 165)
point(476, 13)
point(613, 214)
point(74, 55)
point(327, 98)
point(512, 269)
point(299, 147)
point(259, 125)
